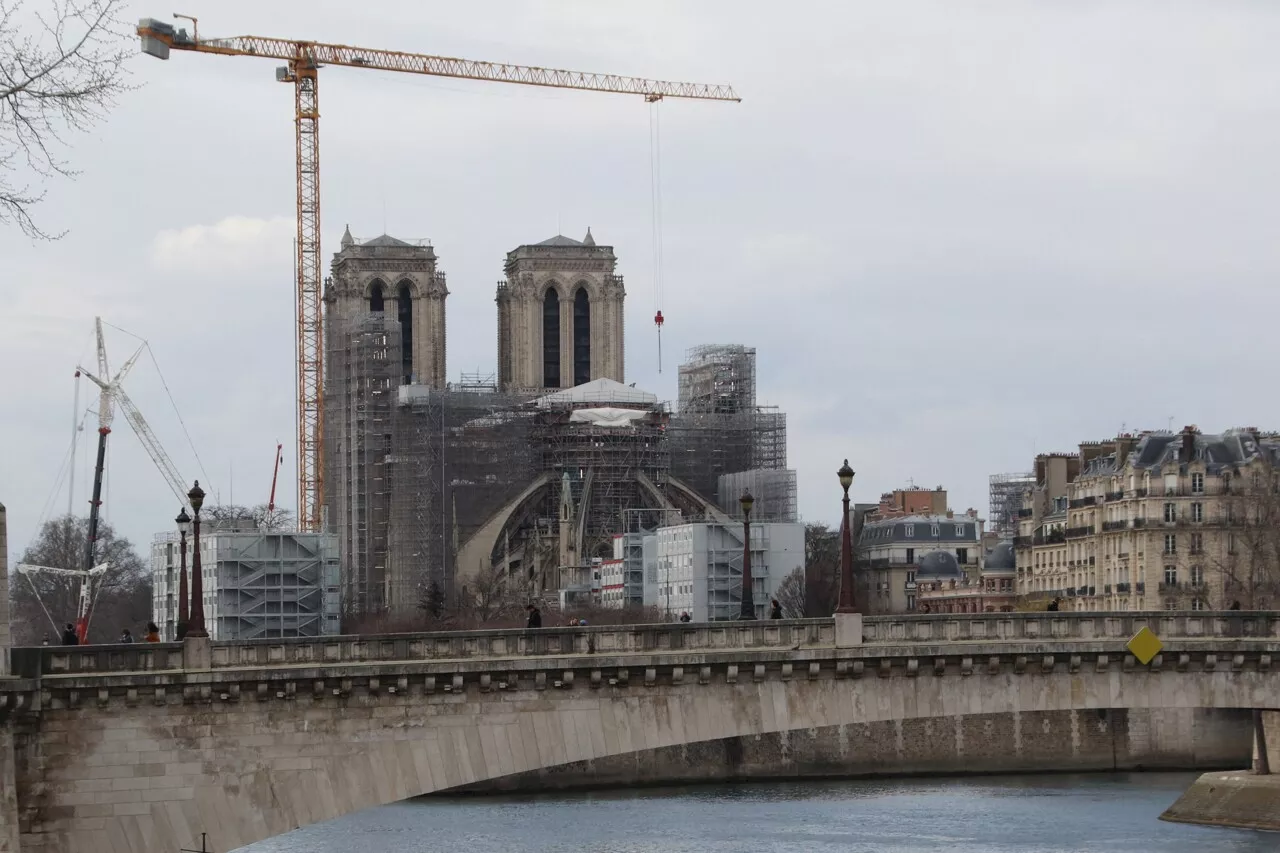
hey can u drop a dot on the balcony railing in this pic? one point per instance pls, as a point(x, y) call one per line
point(1079, 502)
point(1113, 496)
point(1082, 590)
point(1077, 532)
point(1023, 541)
point(1122, 588)
point(1139, 522)
point(1140, 587)
point(1114, 525)
point(1168, 586)
point(1026, 512)
point(1053, 537)
point(1139, 493)
point(1107, 589)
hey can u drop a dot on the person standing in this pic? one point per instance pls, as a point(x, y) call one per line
point(685, 617)
point(775, 609)
point(69, 637)
point(153, 633)
point(535, 617)
point(125, 636)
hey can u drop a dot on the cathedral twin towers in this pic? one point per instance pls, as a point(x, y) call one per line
point(560, 309)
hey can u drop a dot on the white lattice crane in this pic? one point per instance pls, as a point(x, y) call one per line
point(84, 608)
point(110, 393)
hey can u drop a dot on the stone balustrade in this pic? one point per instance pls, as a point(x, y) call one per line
point(789, 635)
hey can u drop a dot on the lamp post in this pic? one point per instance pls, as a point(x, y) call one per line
point(846, 545)
point(184, 613)
point(195, 628)
point(748, 593)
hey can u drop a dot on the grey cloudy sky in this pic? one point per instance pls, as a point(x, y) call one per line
point(957, 233)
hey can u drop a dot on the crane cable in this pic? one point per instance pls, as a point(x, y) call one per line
point(655, 215)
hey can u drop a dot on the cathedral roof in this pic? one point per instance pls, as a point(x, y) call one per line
point(598, 391)
point(386, 240)
point(561, 240)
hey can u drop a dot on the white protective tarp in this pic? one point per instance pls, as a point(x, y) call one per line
point(607, 417)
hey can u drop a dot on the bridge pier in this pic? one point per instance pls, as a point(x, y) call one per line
point(1249, 799)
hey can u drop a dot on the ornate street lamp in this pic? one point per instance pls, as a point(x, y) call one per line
point(196, 626)
point(748, 593)
point(846, 545)
point(184, 527)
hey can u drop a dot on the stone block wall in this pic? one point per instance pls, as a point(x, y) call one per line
point(1095, 740)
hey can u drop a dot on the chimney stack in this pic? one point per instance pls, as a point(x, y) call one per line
point(1188, 444)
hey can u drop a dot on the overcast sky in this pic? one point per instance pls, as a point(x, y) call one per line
point(956, 233)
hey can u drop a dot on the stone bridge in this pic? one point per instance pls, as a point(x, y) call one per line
point(139, 749)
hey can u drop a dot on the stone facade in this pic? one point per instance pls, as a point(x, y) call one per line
point(400, 280)
point(560, 317)
point(1100, 740)
point(139, 749)
point(1174, 520)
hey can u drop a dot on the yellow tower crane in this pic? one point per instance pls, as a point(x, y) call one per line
point(303, 59)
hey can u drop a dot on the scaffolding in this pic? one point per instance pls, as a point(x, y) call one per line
point(774, 491)
point(456, 458)
point(262, 584)
point(363, 367)
point(1006, 495)
point(719, 379)
point(607, 467)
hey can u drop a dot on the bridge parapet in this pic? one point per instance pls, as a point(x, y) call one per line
point(785, 634)
point(788, 635)
point(1045, 626)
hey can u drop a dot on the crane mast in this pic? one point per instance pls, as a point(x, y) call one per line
point(303, 60)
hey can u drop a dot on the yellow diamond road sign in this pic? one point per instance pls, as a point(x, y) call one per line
point(1145, 645)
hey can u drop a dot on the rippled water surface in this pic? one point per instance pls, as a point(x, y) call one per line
point(1036, 814)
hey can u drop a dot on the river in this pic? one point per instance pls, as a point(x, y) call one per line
point(1086, 813)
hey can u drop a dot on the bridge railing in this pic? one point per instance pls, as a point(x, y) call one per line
point(1042, 625)
point(787, 634)
point(444, 645)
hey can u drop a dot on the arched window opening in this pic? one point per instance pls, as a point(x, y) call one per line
point(551, 339)
point(375, 296)
point(581, 337)
point(405, 316)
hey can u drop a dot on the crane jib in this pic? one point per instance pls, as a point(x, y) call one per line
point(303, 57)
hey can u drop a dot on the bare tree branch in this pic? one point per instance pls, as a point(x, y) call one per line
point(122, 596)
point(791, 594)
point(61, 70)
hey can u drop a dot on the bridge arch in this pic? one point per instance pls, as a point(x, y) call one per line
point(249, 755)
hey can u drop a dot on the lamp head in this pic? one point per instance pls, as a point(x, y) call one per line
point(746, 501)
point(184, 521)
point(846, 475)
point(196, 497)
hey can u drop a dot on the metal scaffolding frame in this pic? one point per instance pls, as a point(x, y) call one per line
point(1006, 492)
point(363, 369)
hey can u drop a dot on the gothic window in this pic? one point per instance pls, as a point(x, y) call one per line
point(581, 337)
point(404, 313)
point(551, 339)
point(375, 296)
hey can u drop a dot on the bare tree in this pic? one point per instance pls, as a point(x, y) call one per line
point(41, 602)
point(1248, 551)
point(791, 594)
point(264, 519)
point(61, 69)
point(821, 569)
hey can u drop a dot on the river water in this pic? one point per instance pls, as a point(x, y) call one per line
point(1087, 813)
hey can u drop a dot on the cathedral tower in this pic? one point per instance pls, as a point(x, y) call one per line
point(560, 320)
point(400, 280)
